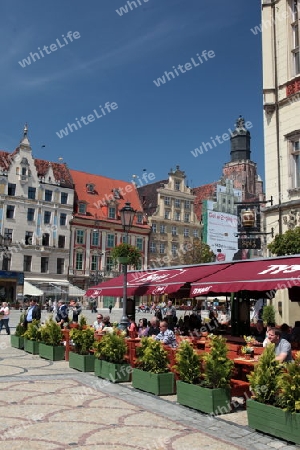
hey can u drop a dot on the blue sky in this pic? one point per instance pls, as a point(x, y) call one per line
point(116, 58)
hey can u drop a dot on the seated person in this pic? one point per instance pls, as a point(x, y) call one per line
point(285, 332)
point(266, 340)
point(165, 335)
point(259, 333)
point(154, 327)
point(282, 346)
point(143, 328)
point(98, 324)
point(295, 335)
point(132, 329)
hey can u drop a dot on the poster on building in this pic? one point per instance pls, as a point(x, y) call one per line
point(220, 222)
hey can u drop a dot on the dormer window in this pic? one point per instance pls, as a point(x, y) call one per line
point(116, 193)
point(82, 208)
point(111, 212)
point(177, 185)
point(90, 187)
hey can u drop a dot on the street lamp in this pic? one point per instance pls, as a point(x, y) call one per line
point(127, 215)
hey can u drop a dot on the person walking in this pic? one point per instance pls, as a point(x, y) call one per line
point(33, 312)
point(110, 308)
point(4, 314)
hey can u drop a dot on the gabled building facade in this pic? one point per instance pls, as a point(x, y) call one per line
point(96, 227)
point(169, 206)
point(37, 199)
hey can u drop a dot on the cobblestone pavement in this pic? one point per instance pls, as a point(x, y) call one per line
point(47, 405)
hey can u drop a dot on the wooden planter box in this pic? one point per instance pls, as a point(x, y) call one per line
point(155, 383)
point(31, 346)
point(116, 373)
point(56, 353)
point(274, 421)
point(210, 401)
point(84, 363)
point(17, 341)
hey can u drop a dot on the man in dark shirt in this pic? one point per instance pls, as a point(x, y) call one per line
point(259, 332)
point(33, 312)
point(154, 327)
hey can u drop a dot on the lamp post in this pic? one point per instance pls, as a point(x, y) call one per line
point(127, 215)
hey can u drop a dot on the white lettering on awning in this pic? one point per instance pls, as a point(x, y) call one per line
point(277, 268)
point(196, 291)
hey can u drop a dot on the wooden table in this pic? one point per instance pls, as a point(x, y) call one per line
point(244, 367)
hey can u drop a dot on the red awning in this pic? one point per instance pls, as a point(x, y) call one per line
point(252, 275)
point(155, 282)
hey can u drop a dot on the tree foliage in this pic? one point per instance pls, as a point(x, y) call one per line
point(287, 243)
point(199, 253)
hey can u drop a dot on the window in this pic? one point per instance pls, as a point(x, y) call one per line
point(174, 249)
point(44, 264)
point(139, 218)
point(154, 228)
point(109, 264)
point(186, 217)
point(124, 239)
point(195, 233)
point(48, 196)
point(63, 219)
point(112, 212)
point(174, 231)
point(295, 162)
point(90, 188)
point(167, 214)
point(79, 261)
point(295, 38)
point(167, 201)
point(110, 240)
point(47, 216)
point(177, 216)
point(6, 262)
point(61, 241)
point(187, 204)
point(177, 185)
point(28, 237)
point(82, 208)
point(162, 229)
point(162, 248)
point(27, 263)
point(96, 238)
point(186, 232)
point(63, 198)
point(11, 189)
point(31, 193)
point(60, 265)
point(94, 262)
point(152, 247)
point(139, 243)
point(8, 232)
point(46, 239)
point(79, 236)
point(10, 211)
point(177, 203)
point(30, 214)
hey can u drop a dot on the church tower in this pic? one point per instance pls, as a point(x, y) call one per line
point(241, 170)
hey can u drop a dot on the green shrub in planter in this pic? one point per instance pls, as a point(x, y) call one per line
point(17, 339)
point(83, 340)
point(32, 336)
point(51, 333)
point(275, 406)
point(152, 372)
point(111, 351)
point(206, 390)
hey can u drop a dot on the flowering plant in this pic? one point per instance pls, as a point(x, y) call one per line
point(246, 349)
point(133, 254)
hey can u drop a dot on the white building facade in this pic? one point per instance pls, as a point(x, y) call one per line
point(281, 90)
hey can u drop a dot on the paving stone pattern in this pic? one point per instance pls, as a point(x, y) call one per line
point(46, 405)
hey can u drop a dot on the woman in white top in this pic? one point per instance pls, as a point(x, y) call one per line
point(4, 314)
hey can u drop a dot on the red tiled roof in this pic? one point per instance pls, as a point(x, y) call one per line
point(60, 171)
point(205, 192)
point(103, 192)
